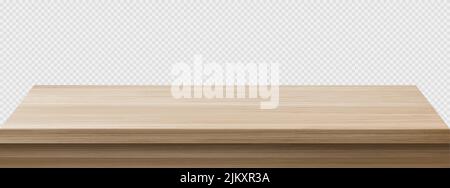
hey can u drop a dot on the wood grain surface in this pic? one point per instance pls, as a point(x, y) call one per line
point(316, 126)
point(224, 155)
point(149, 114)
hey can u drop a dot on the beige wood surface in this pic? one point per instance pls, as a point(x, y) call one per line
point(143, 126)
point(136, 107)
point(149, 114)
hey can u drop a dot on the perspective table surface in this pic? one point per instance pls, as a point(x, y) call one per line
point(149, 114)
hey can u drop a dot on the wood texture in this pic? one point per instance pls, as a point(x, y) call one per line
point(316, 126)
point(224, 155)
point(135, 107)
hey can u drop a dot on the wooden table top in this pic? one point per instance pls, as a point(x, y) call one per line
point(149, 114)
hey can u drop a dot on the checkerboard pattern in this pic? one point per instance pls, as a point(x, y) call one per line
point(316, 42)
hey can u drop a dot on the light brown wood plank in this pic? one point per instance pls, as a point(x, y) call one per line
point(143, 126)
point(152, 107)
point(148, 114)
point(224, 155)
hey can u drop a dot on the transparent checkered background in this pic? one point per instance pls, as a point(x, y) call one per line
point(317, 42)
